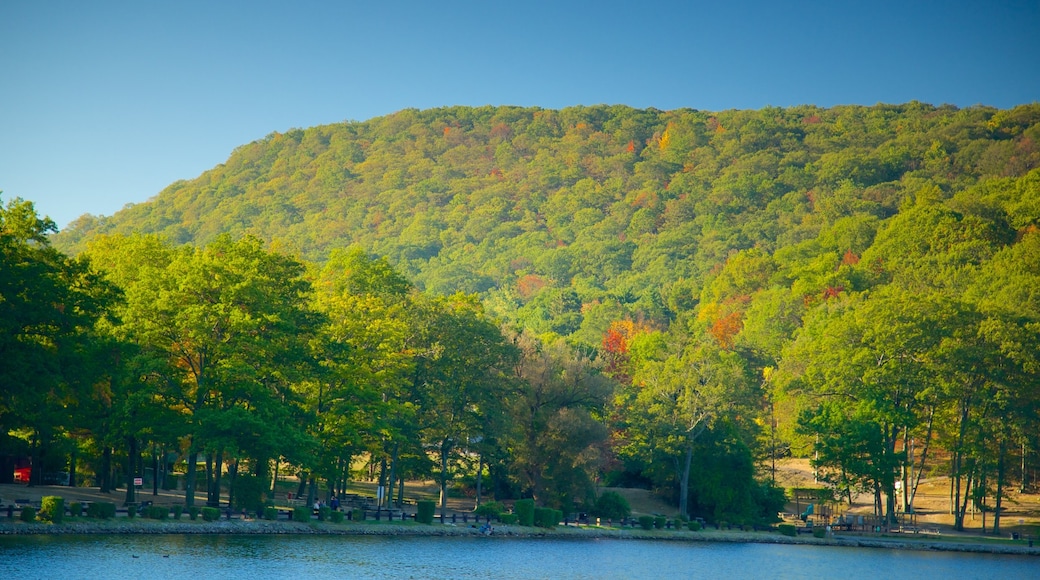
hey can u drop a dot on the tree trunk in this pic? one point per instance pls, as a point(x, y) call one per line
point(381, 485)
point(232, 478)
point(189, 480)
point(35, 465)
point(958, 518)
point(209, 480)
point(131, 469)
point(393, 475)
point(924, 454)
point(312, 490)
point(906, 471)
point(72, 468)
point(1001, 474)
point(684, 481)
point(958, 456)
point(480, 478)
point(105, 473)
point(445, 450)
point(1022, 482)
point(218, 472)
point(155, 471)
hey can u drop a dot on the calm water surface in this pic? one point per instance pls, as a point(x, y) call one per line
point(298, 557)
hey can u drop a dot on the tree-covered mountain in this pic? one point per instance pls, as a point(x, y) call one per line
point(683, 293)
point(574, 218)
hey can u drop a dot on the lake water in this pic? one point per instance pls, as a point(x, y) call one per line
point(297, 557)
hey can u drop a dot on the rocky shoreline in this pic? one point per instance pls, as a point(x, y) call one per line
point(263, 527)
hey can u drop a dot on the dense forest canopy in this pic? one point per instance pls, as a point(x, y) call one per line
point(570, 219)
point(681, 294)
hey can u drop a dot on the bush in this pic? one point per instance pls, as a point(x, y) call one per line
point(545, 517)
point(646, 522)
point(819, 533)
point(249, 493)
point(507, 519)
point(52, 509)
point(611, 505)
point(193, 512)
point(210, 514)
point(336, 517)
point(323, 513)
point(177, 511)
point(102, 510)
point(693, 526)
point(424, 512)
point(75, 509)
point(490, 508)
point(270, 513)
point(28, 514)
point(158, 512)
point(524, 510)
point(659, 522)
point(131, 510)
point(787, 530)
point(301, 513)
point(358, 515)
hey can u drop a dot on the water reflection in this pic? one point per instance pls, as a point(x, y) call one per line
point(261, 557)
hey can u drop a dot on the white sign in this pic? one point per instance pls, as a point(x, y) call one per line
point(138, 481)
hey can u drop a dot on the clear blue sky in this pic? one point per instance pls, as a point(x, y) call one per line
point(104, 103)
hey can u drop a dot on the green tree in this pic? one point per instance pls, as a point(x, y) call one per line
point(459, 375)
point(49, 305)
point(228, 320)
point(558, 442)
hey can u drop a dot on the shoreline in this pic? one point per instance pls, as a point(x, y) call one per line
point(263, 527)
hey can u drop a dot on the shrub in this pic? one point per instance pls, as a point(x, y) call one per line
point(646, 522)
point(270, 513)
point(507, 519)
point(693, 526)
point(193, 512)
point(131, 510)
point(210, 514)
point(177, 511)
point(819, 533)
point(75, 509)
point(158, 512)
point(544, 517)
point(611, 505)
point(249, 493)
point(358, 515)
point(524, 510)
point(301, 513)
point(424, 512)
point(323, 513)
point(787, 530)
point(52, 509)
point(101, 510)
point(28, 514)
point(490, 508)
point(336, 517)
point(659, 522)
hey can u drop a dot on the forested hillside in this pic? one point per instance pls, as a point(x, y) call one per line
point(657, 298)
point(571, 219)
